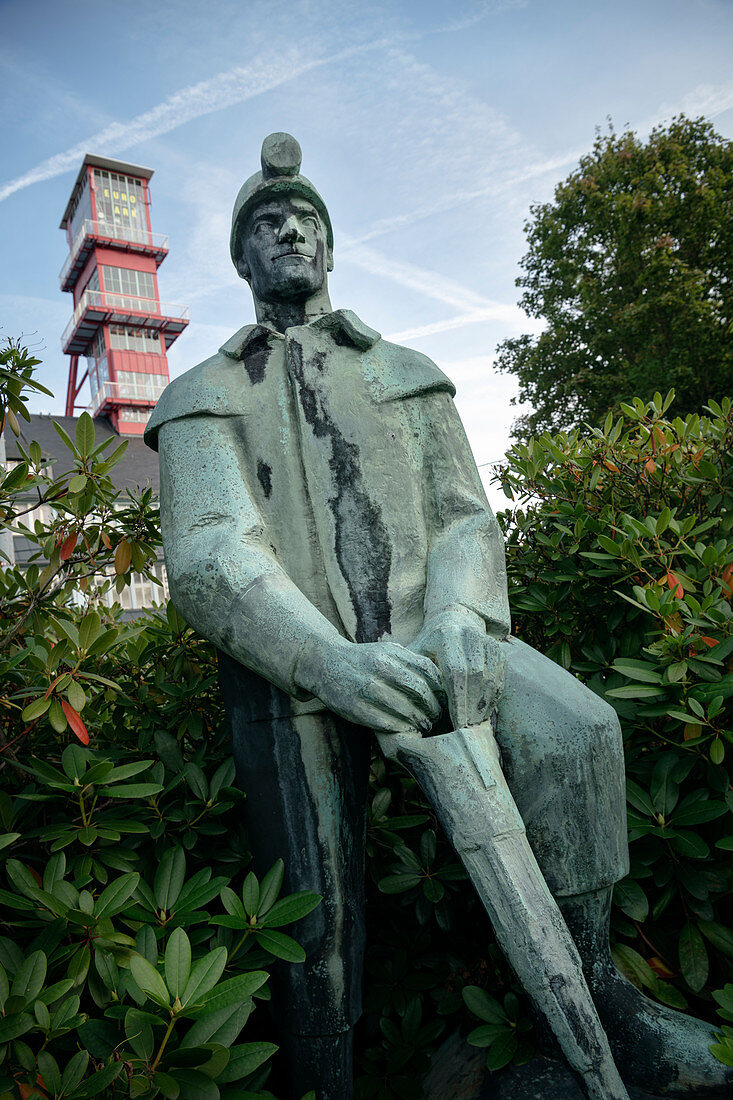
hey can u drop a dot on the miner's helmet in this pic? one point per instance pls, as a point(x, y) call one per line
point(281, 158)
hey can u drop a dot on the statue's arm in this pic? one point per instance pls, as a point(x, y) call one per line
point(224, 577)
point(466, 562)
point(227, 583)
point(466, 605)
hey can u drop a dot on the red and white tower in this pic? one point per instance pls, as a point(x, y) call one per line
point(119, 323)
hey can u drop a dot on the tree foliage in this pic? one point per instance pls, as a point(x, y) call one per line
point(631, 270)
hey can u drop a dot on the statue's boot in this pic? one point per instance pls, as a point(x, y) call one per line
point(660, 1050)
point(460, 773)
point(322, 1063)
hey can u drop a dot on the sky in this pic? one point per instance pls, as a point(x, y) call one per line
point(429, 128)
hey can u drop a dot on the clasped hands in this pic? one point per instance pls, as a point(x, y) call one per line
point(397, 689)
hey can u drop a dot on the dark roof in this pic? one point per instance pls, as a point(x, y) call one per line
point(138, 467)
point(119, 166)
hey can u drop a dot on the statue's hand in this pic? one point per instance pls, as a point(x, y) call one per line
point(377, 684)
point(472, 662)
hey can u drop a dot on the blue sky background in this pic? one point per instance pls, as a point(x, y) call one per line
point(428, 127)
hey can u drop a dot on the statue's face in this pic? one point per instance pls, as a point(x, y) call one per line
point(285, 254)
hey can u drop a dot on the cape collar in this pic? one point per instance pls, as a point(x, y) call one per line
point(342, 324)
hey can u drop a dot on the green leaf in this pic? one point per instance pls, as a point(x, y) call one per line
point(29, 979)
point(139, 1034)
point(719, 936)
point(717, 751)
point(631, 899)
point(149, 980)
point(487, 1034)
point(251, 894)
point(724, 997)
point(281, 946)
point(76, 1067)
point(169, 878)
point(124, 771)
point(689, 844)
point(114, 898)
point(271, 886)
point(638, 670)
point(98, 1081)
point(723, 1052)
point(697, 813)
point(6, 839)
point(398, 884)
point(78, 483)
point(205, 973)
point(233, 905)
point(502, 1051)
point(245, 1059)
point(222, 1026)
point(89, 629)
point(132, 790)
point(35, 709)
point(84, 434)
point(12, 1027)
point(693, 957)
point(292, 908)
point(234, 991)
point(664, 790)
point(196, 1085)
point(177, 962)
point(636, 691)
point(168, 1086)
point(483, 1005)
point(638, 798)
point(50, 1072)
point(630, 963)
point(196, 781)
point(65, 437)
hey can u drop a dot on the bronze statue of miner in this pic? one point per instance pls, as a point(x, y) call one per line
point(325, 526)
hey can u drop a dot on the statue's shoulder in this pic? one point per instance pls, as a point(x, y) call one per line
point(405, 372)
point(210, 388)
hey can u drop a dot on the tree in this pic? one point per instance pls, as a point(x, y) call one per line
point(631, 269)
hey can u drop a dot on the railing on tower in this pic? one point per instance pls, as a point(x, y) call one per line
point(122, 392)
point(121, 307)
point(131, 238)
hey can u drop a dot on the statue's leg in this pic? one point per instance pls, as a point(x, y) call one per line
point(306, 782)
point(563, 759)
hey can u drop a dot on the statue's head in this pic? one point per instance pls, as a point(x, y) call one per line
point(281, 241)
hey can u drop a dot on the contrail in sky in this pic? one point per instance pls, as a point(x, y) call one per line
point(220, 91)
point(224, 90)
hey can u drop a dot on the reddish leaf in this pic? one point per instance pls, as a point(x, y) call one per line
point(727, 579)
point(123, 557)
point(660, 968)
point(709, 642)
point(67, 548)
point(34, 873)
point(650, 465)
point(75, 722)
point(675, 585)
point(106, 540)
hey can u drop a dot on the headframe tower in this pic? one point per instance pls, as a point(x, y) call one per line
point(119, 323)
